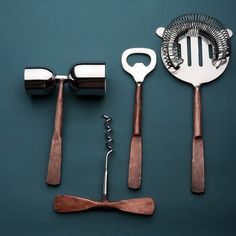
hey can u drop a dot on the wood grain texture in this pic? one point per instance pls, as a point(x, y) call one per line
point(138, 110)
point(135, 161)
point(54, 164)
point(198, 175)
point(66, 203)
point(197, 113)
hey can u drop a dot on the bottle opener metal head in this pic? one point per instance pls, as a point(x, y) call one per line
point(139, 71)
point(87, 79)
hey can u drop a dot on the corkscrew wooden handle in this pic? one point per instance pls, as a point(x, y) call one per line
point(66, 203)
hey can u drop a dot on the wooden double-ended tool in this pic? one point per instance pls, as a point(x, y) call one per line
point(67, 203)
point(84, 79)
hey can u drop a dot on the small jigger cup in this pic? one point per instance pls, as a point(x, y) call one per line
point(86, 79)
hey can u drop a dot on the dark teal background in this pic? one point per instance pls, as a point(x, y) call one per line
point(60, 33)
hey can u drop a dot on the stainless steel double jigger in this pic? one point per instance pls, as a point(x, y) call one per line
point(84, 79)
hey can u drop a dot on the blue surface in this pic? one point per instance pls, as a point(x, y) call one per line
point(60, 33)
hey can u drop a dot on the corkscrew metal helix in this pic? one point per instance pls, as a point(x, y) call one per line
point(66, 203)
point(110, 150)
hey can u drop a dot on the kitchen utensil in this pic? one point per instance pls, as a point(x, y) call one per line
point(67, 203)
point(196, 49)
point(83, 79)
point(139, 71)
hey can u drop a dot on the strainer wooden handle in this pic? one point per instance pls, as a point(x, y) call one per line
point(198, 176)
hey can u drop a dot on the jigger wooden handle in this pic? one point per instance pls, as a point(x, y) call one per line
point(135, 162)
point(198, 178)
point(54, 164)
point(66, 203)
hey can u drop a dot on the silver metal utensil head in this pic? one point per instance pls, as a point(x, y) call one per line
point(195, 48)
point(84, 79)
point(88, 79)
point(191, 70)
point(139, 71)
point(39, 81)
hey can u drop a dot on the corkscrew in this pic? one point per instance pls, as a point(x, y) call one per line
point(67, 203)
point(110, 150)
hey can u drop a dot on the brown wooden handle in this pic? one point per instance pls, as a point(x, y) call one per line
point(135, 161)
point(66, 203)
point(143, 206)
point(54, 164)
point(197, 114)
point(138, 110)
point(198, 176)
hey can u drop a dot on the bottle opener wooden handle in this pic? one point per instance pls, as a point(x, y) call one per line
point(135, 162)
point(54, 164)
point(198, 176)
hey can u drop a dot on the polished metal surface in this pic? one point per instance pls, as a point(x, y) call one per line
point(39, 81)
point(196, 73)
point(139, 71)
point(61, 77)
point(195, 48)
point(88, 79)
